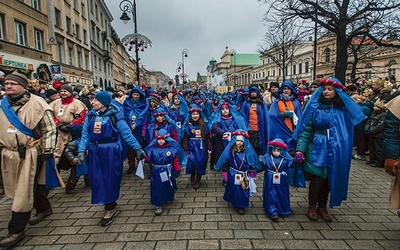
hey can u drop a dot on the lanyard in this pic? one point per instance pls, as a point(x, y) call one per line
point(234, 160)
point(279, 166)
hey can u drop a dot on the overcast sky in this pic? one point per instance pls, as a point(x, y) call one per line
point(204, 27)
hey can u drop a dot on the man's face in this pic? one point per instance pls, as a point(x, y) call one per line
point(13, 89)
point(274, 89)
point(64, 94)
point(286, 91)
point(253, 94)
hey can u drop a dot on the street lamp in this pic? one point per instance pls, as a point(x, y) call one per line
point(177, 75)
point(139, 42)
point(185, 53)
point(233, 54)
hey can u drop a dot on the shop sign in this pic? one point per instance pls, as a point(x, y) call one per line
point(15, 64)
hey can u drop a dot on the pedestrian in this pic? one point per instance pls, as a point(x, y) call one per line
point(103, 130)
point(325, 141)
point(238, 163)
point(197, 144)
point(276, 163)
point(27, 140)
point(391, 149)
point(374, 129)
point(166, 157)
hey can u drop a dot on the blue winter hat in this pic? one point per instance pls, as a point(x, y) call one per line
point(104, 98)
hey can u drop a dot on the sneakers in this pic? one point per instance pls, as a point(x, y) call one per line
point(158, 210)
point(38, 217)
point(274, 217)
point(12, 239)
point(312, 213)
point(241, 211)
point(108, 218)
point(324, 214)
point(358, 157)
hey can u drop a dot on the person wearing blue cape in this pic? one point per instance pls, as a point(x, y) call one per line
point(197, 144)
point(27, 140)
point(255, 112)
point(283, 115)
point(161, 120)
point(238, 163)
point(276, 196)
point(133, 105)
point(325, 143)
point(100, 137)
point(166, 157)
point(178, 109)
point(225, 120)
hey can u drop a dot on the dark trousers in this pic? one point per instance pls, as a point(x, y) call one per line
point(131, 157)
point(376, 151)
point(360, 141)
point(318, 191)
point(40, 201)
point(255, 141)
point(110, 206)
point(18, 222)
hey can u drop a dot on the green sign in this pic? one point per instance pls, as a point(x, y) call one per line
point(15, 64)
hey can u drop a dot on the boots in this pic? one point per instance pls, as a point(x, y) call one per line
point(193, 177)
point(197, 183)
point(312, 213)
point(324, 213)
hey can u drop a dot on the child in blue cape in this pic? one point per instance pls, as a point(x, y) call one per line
point(276, 161)
point(239, 162)
point(166, 157)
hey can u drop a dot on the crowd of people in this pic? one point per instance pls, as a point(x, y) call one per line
point(295, 133)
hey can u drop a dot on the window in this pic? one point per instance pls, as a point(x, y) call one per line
point(294, 70)
point(36, 5)
point(76, 4)
point(71, 56)
point(300, 68)
point(96, 12)
point(58, 17)
point(95, 61)
point(101, 19)
point(392, 72)
point(327, 55)
point(87, 62)
point(60, 47)
point(20, 33)
point(392, 62)
point(98, 36)
point(84, 36)
point(83, 12)
point(273, 72)
point(2, 27)
point(38, 35)
point(68, 24)
point(100, 63)
point(91, 5)
point(306, 67)
point(79, 59)
point(77, 31)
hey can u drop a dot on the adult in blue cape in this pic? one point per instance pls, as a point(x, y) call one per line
point(325, 142)
point(166, 157)
point(255, 112)
point(197, 144)
point(225, 120)
point(276, 196)
point(27, 139)
point(284, 114)
point(101, 137)
point(238, 162)
point(133, 105)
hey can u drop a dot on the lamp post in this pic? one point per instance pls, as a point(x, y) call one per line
point(139, 42)
point(185, 53)
point(233, 54)
point(177, 75)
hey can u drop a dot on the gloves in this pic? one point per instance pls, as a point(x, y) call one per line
point(81, 157)
point(176, 174)
point(252, 173)
point(140, 154)
point(288, 114)
point(392, 166)
point(75, 161)
point(224, 176)
point(63, 128)
point(47, 156)
point(299, 156)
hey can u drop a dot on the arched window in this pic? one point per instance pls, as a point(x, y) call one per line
point(392, 62)
point(327, 55)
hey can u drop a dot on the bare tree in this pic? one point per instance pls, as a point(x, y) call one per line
point(375, 19)
point(282, 40)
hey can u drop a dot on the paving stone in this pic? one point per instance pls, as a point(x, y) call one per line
point(368, 235)
point(104, 237)
point(236, 244)
point(277, 234)
point(219, 234)
point(176, 244)
point(389, 244)
point(258, 225)
point(131, 236)
point(204, 225)
point(332, 244)
point(204, 244)
point(161, 235)
point(194, 217)
point(108, 246)
point(50, 247)
point(42, 240)
point(363, 244)
point(85, 246)
point(336, 235)
point(190, 234)
point(300, 244)
point(268, 244)
point(72, 239)
point(307, 234)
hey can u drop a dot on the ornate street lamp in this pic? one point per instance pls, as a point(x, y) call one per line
point(233, 54)
point(135, 40)
point(185, 53)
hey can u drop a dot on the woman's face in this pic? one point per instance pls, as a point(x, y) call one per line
point(161, 141)
point(97, 105)
point(195, 116)
point(329, 92)
point(135, 96)
point(225, 111)
point(160, 118)
point(239, 144)
point(286, 91)
point(177, 101)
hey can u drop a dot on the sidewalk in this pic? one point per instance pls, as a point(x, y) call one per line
point(201, 219)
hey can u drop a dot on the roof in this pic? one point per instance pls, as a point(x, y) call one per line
point(245, 59)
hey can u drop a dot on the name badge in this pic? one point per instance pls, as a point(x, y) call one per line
point(276, 178)
point(11, 129)
point(61, 112)
point(238, 179)
point(197, 132)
